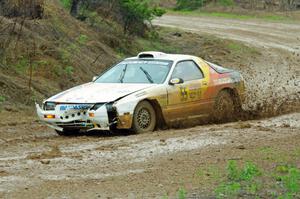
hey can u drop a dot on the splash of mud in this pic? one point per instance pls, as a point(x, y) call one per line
point(273, 85)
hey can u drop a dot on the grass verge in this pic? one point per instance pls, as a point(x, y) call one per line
point(227, 15)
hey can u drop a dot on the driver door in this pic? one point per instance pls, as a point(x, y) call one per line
point(184, 99)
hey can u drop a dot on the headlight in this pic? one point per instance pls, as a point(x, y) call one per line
point(49, 106)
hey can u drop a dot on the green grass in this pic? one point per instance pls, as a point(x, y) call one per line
point(66, 3)
point(227, 15)
point(238, 180)
point(182, 193)
point(69, 70)
point(83, 39)
point(290, 184)
point(2, 99)
point(249, 180)
point(22, 65)
point(234, 47)
point(271, 154)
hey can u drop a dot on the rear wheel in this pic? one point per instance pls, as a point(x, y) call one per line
point(68, 132)
point(224, 108)
point(144, 118)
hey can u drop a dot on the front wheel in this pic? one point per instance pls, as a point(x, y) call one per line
point(68, 132)
point(144, 118)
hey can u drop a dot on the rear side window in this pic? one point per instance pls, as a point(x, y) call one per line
point(187, 70)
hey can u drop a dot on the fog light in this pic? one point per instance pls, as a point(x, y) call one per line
point(49, 116)
point(92, 114)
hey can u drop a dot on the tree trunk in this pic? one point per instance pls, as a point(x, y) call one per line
point(75, 7)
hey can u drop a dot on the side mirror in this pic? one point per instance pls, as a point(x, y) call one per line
point(176, 81)
point(94, 78)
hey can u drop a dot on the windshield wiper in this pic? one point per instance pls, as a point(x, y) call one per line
point(123, 74)
point(147, 75)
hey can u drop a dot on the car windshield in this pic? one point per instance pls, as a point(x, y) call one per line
point(137, 71)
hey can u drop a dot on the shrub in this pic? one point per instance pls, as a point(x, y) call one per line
point(135, 13)
point(22, 64)
point(226, 2)
point(131, 14)
point(83, 39)
point(66, 3)
point(69, 70)
point(2, 99)
point(182, 193)
point(189, 4)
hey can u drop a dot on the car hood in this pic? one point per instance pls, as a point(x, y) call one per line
point(97, 92)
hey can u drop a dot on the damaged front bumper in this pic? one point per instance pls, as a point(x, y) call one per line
point(108, 115)
point(62, 118)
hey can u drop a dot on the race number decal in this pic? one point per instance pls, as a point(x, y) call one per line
point(184, 93)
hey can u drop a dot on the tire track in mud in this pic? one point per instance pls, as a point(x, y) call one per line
point(99, 158)
point(33, 166)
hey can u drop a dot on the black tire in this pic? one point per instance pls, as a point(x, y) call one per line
point(68, 132)
point(144, 118)
point(224, 108)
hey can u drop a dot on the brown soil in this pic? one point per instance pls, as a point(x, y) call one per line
point(36, 163)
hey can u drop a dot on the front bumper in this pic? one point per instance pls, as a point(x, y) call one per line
point(60, 119)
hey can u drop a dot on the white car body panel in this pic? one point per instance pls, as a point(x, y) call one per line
point(100, 120)
point(97, 92)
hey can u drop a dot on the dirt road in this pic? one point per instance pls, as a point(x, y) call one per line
point(266, 34)
point(36, 163)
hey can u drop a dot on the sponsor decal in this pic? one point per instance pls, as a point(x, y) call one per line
point(225, 80)
point(164, 63)
point(74, 107)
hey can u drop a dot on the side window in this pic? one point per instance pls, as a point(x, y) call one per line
point(187, 70)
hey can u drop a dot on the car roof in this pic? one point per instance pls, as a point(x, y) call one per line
point(163, 56)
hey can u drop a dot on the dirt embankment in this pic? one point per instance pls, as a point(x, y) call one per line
point(42, 56)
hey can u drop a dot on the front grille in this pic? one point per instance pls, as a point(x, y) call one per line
point(75, 124)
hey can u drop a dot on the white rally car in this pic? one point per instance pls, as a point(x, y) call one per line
point(145, 92)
